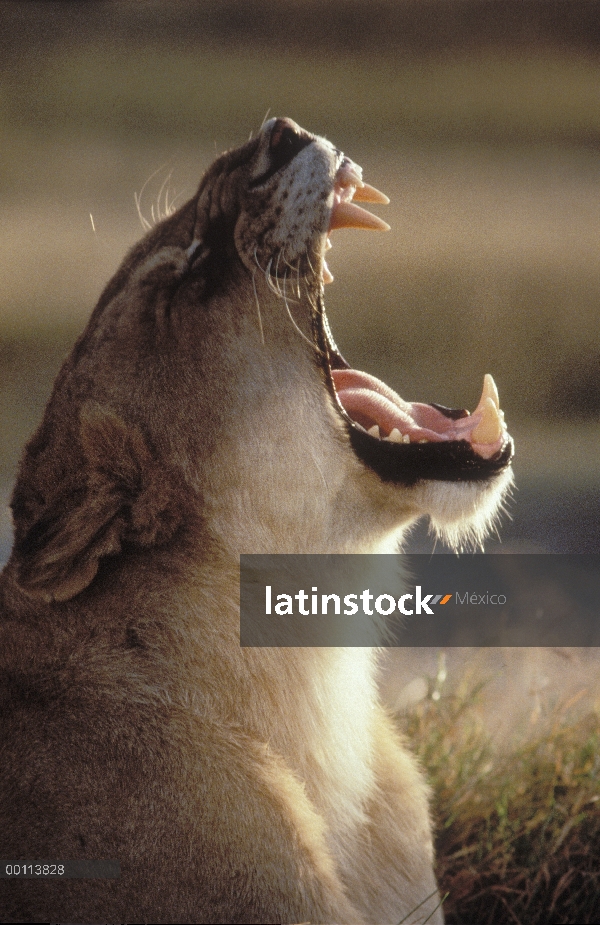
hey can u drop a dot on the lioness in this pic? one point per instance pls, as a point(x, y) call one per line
point(206, 412)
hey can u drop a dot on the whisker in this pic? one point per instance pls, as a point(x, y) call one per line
point(310, 299)
point(281, 295)
point(143, 220)
point(160, 192)
point(285, 279)
point(171, 207)
point(298, 278)
point(146, 225)
point(319, 470)
point(300, 332)
point(295, 268)
point(260, 325)
point(267, 274)
point(310, 264)
point(277, 271)
point(269, 280)
point(273, 281)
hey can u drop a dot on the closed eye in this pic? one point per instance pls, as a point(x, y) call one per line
point(285, 143)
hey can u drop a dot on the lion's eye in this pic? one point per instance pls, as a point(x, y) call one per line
point(282, 139)
point(284, 144)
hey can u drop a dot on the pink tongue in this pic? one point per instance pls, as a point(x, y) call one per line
point(369, 401)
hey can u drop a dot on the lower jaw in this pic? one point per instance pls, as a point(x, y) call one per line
point(407, 463)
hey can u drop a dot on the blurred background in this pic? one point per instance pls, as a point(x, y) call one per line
point(479, 118)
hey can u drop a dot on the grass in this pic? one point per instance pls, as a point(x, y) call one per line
point(518, 832)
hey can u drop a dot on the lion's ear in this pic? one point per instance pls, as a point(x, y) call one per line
point(126, 497)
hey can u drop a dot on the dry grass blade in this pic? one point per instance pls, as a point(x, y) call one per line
point(519, 832)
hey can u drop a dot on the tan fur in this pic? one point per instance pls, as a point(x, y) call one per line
point(191, 424)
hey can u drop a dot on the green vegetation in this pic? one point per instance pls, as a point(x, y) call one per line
point(518, 830)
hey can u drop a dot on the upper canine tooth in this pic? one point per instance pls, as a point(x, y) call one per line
point(366, 193)
point(489, 428)
point(350, 174)
point(349, 215)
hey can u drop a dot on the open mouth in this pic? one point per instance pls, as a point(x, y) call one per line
point(401, 440)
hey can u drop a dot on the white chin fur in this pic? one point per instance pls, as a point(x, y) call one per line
point(464, 513)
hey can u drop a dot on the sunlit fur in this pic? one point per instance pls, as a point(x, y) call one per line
point(193, 423)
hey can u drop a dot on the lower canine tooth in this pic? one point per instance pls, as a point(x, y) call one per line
point(489, 428)
point(374, 431)
point(395, 436)
point(489, 391)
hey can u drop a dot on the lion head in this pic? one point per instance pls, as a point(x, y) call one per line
point(207, 405)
